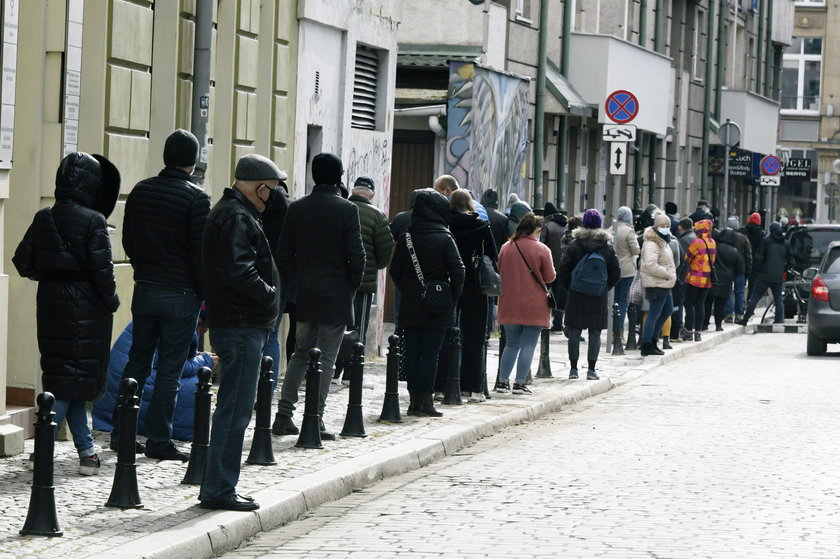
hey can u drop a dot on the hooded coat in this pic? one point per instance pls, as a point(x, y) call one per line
point(472, 236)
point(438, 257)
point(656, 266)
point(403, 219)
point(582, 311)
point(68, 252)
point(517, 212)
point(728, 263)
point(755, 233)
point(626, 245)
point(774, 256)
point(700, 256)
point(553, 231)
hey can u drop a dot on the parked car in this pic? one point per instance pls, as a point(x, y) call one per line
point(824, 304)
point(809, 244)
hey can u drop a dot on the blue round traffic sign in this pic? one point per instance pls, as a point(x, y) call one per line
point(770, 165)
point(621, 106)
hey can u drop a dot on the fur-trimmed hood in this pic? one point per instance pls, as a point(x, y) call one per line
point(596, 235)
point(650, 234)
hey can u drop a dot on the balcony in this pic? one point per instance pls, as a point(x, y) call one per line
point(757, 116)
point(602, 64)
point(783, 16)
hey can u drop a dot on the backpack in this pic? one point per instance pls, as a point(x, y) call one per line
point(589, 276)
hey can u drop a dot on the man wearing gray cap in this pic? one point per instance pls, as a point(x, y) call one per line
point(242, 293)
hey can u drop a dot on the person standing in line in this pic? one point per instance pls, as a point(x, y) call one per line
point(699, 257)
point(671, 212)
point(523, 307)
point(754, 232)
point(162, 229)
point(728, 265)
point(67, 251)
point(658, 274)
point(685, 238)
point(736, 304)
point(773, 257)
point(321, 247)
point(517, 211)
point(588, 311)
point(424, 329)
point(551, 235)
point(702, 212)
point(626, 250)
point(498, 220)
point(243, 302)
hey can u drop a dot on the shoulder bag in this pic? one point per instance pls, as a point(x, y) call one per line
point(713, 273)
point(552, 304)
point(436, 295)
point(487, 279)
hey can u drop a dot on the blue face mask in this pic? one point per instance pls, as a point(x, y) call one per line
point(664, 231)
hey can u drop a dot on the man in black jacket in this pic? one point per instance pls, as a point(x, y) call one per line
point(772, 258)
point(242, 285)
point(164, 220)
point(321, 247)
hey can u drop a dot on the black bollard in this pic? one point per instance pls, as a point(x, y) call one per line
point(617, 348)
point(354, 424)
point(502, 342)
point(401, 347)
point(453, 377)
point(201, 429)
point(484, 367)
point(124, 493)
point(310, 428)
point(391, 404)
point(262, 453)
point(42, 520)
point(544, 369)
point(631, 328)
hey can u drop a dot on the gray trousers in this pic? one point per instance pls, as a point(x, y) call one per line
point(327, 338)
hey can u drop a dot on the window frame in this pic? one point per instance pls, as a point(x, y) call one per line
point(801, 60)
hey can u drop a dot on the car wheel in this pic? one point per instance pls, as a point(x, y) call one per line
point(816, 345)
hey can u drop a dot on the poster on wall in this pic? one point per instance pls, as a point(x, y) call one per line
point(73, 75)
point(7, 98)
point(487, 130)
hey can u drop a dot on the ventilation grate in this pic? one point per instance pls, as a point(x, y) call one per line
point(365, 86)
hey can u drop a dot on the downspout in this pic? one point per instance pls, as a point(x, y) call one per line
point(563, 133)
point(762, 9)
point(768, 58)
point(539, 109)
point(707, 102)
point(658, 42)
point(440, 138)
point(658, 46)
point(721, 54)
point(201, 83)
point(640, 136)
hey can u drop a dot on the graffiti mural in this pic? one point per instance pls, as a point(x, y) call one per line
point(487, 132)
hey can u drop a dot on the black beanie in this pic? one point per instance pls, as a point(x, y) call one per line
point(180, 149)
point(550, 209)
point(490, 199)
point(670, 208)
point(327, 169)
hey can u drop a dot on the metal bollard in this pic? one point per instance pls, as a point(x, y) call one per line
point(354, 423)
point(262, 452)
point(453, 377)
point(617, 348)
point(631, 328)
point(124, 493)
point(391, 404)
point(201, 429)
point(502, 343)
point(544, 369)
point(484, 368)
point(310, 428)
point(42, 520)
point(401, 347)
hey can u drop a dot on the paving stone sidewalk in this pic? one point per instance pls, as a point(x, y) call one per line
point(172, 525)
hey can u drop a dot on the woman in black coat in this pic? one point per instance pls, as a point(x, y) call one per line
point(424, 329)
point(728, 264)
point(68, 252)
point(472, 236)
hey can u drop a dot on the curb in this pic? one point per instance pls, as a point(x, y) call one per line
point(219, 532)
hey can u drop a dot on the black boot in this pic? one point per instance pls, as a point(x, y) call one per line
point(644, 347)
point(325, 435)
point(666, 343)
point(426, 405)
point(412, 406)
point(283, 426)
point(655, 349)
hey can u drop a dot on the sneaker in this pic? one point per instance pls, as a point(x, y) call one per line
point(738, 317)
point(335, 381)
point(697, 337)
point(520, 389)
point(685, 335)
point(502, 387)
point(30, 464)
point(345, 382)
point(718, 328)
point(476, 397)
point(573, 374)
point(742, 321)
point(729, 318)
point(168, 453)
point(591, 375)
point(89, 465)
point(438, 396)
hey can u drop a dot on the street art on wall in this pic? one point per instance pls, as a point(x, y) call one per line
point(487, 132)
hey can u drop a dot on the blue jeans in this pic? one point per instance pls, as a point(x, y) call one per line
point(737, 295)
point(240, 352)
point(622, 290)
point(272, 349)
point(77, 421)
point(520, 342)
point(659, 311)
point(164, 319)
point(422, 348)
point(761, 287)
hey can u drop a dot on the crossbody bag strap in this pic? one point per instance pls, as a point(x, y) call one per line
point(413, 256)
point(533, 274)
point(708, 256)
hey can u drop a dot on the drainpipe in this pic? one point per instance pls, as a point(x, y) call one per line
point(563, 132)
point(642, 22)
point(762, 9)
point(721, 40)
point(768, 59)
point(640, 136)
point(658, 43)
point(539, 109)
point(707, 102)
point(201, 83)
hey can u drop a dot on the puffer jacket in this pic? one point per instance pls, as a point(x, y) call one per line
point(700, 256)
point(774, 256)
point(517, 211)
point(68, 251)
point(656, 266)
point(728, 263)
point(377, 240)
point(626, 248)
point(755, 234)
point(583, 311)
point(473, 236)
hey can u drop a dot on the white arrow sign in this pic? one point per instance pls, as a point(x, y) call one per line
point(618, 158)
point(619, 133)
point(770, 180)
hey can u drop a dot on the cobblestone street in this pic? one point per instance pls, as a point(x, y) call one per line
point(730, 453)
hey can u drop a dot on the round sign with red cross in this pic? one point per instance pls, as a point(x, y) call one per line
point(621, 106)
point(770, 165)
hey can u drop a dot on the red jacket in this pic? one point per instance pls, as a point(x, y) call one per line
point(523, 300)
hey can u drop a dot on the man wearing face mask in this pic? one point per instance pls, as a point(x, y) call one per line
point(242, 285)
point(321, 247)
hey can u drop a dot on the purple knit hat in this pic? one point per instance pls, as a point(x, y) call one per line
point(592, 219)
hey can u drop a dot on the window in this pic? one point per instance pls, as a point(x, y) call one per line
point(366, 94)
point(801, 65)
point(523, 9)
point(699, 57)
point(809, 3)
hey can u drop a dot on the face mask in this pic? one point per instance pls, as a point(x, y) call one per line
point(272, 197)
point(664, 231)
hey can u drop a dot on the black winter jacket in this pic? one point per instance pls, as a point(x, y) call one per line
point(240, 278)
point(498, 226)
point(162, 229)
point(728, 263)
point(470, 231)
point(755, 234)
point(272, 223)
point(552, 235)
point(438, 256)
point(321, 246)
point(68, 251)
point(582, 311)
point(774, 256)
point(402, 220)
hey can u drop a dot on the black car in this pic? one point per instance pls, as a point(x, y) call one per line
point(809, 244)
point(824, 304)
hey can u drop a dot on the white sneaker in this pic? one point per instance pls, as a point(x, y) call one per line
point(345, 382)
point(438, 396)
point(476, 397)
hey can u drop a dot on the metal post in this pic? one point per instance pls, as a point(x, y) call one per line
point(391, 404)
point(124, 492)
point(707, 101)
point(544, 368)
point(726, 145)
point(41, 519)
point(354, 425)
point(453, 378)
point(201, 82)
point(310, 428)
point(539, 106)
point(631, 327)
point(502, 342)
point(201, 429)
point(617, 349)
point(262, 452)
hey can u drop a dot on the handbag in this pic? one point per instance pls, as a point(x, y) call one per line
point(549, 296)
point(487, 278)
point(636, 294)
point(713, 272)
point(436, 295)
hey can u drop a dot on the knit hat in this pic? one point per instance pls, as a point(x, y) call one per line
point(550, 209)
point(365, 182)
point(732, 222)
point(661, 220)
point(702, 203)
point(755, 219)
point(254, 167)
point(180, 149)
point(670, 208)
point(512, 199)
point(327, 169)
point(490, 199)
point(591, 219)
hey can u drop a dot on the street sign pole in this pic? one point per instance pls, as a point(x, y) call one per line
point(729, 134)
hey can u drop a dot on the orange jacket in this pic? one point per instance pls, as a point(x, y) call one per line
point(700, 256)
